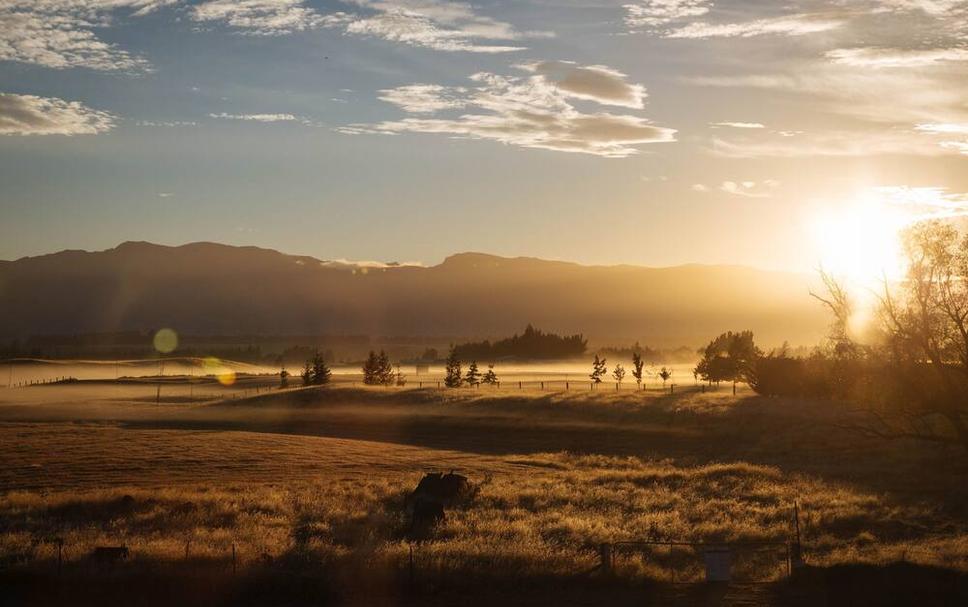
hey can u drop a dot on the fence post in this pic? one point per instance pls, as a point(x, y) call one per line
point(605, 554)
point(233, 558)
point(519, 385)
point(566, 386)
point(542, 385)
point(411, 565)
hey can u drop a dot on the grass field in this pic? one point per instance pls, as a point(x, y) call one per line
point(315, 480)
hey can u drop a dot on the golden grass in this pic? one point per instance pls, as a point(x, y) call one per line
point(273, 476)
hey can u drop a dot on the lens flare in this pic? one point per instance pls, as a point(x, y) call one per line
point(166, 340)
point(223, 374)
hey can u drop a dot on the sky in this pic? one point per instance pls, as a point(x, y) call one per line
point(651, 132)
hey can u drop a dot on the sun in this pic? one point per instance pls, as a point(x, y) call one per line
point(860, 242)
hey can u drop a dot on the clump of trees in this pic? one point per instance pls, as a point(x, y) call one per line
point(315, 372)
point(473, 377)
point(377, 370)
point(490, 377)
point(729, 357)
point(533, 344)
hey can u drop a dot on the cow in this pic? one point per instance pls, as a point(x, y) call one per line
point(445, 488)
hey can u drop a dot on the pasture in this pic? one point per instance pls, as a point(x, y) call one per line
point(312, 483)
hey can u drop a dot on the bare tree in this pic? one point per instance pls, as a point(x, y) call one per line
point(920, 361)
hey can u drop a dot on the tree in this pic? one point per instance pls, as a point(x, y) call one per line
point(283, 379)
point(598, 370)
point(320, 372)
point(384, 370)
point(729, 357)
point(637, 365)
point(371, 369)
point(401, 379)
point(490, 377)
point(452, 377)
point(307, 374)
point(920, 361)
point(665, 374)
point(473, 377)
point(619, 374)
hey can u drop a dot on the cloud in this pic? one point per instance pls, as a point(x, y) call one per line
point(260, 17)
point(873, 57)
point(750, 189)
point(652, 13)
point(597, 83)
point(829, 143)
point(946, 130)
point(532, 111)
point(256, 117)
point(436, 24)
point(922, 203)
point(32, 115)
point(698, 187)
point(60, 33)
point(424, 98)
point(738, 125)
point(791, 25)
point(165, 123)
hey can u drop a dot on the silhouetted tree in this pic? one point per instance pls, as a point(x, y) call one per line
point(452, 376)
point(320, 372)
point(619, 374)
point(307, 374)
point(490, 377)
point(665, 374)
point(371, 369)
point(401, 379)
point(384, 370)
point(598, 370)
point(283, 379)
point(917, 375)
point(430, 354)
point(729, 357)
point(637, 365)
point(473, 377)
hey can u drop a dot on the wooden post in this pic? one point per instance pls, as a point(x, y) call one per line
point(605, 553)
point(233, 558)
point(542, 385)
point(411, 565)
point(519, 385)
point(187, 544)
point(566, 386)
point(60, 554)
point(158, 396)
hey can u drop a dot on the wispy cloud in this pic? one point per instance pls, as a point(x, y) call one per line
point(744, 189)
point(259, 17)
point(873, 57)
point(533, 111)
point(436, 24)
point(791, 25)
point(60, 33)
point(738, 125)
point(257, 117)
point(32, 115)
point(946, 131)
point(923, 202)
point(653, 13)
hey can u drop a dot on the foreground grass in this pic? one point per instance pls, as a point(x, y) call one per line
point(317, 479)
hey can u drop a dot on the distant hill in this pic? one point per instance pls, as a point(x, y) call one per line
point(214, 289)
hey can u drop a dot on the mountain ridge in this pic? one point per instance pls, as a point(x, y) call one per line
point(214, 288)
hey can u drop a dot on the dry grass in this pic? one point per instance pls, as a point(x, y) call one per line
point(564, 473)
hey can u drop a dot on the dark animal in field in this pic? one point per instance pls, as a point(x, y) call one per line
point(444, 488)
point(426, 513)
point(110, 555)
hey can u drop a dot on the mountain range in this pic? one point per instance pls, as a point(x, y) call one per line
point(214, 289)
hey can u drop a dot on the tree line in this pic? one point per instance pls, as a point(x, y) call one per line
point(533, 344)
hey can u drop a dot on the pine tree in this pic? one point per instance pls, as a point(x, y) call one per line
point(473, 377)
point(401, 379)
point(320, 371)
point(490, 378)
point(453, 378)
point(598, 370)
point(637, 365)
point(307, 374)
point(370, 369)
point(384, 370)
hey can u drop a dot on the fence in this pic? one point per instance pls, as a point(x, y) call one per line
point(719, 561)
